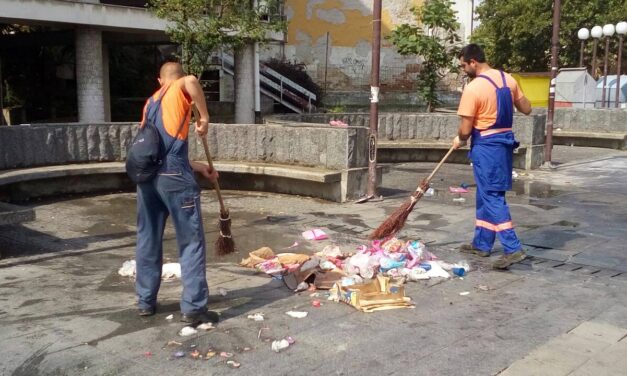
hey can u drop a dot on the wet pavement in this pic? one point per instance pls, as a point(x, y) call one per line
point(66, 311)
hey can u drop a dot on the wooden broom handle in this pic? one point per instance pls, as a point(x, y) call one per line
point(205, 145)
point(435, 170)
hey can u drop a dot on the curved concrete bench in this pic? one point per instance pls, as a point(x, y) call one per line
point(593, 139)
point(43, 160)
point(27, 183)
point(425, 137)
point(409, 151)
point(604, 128)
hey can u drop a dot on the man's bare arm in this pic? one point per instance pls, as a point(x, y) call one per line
point(192, 87)
point(523, 105)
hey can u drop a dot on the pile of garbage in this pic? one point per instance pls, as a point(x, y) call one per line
point(394, 258)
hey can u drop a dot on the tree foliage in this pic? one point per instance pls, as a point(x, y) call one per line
point(516, 34)
point(202, 27)
point(435, 40)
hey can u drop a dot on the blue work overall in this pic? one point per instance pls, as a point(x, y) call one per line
point(491, 154)
point(173, 192)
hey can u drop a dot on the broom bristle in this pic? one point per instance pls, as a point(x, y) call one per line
point(225, 244)
point(395, 221)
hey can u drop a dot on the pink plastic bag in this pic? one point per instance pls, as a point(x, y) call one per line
point(457, 190)
point(315, 234)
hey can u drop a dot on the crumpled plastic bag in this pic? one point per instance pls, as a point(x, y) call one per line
point(315, 234)
point(271, 266)
point(171, 270)
point(437, 270)
point(128, 269)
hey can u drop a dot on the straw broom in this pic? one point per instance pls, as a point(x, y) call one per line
point(396, 220)
point(224, 244)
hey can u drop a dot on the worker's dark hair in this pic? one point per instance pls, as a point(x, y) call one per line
point(472, 51)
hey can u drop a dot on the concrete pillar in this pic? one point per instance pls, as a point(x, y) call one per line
point(91, 76)
point(245, 85)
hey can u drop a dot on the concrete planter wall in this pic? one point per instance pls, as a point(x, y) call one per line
point(25, 146)
point(313, 160)
point(591, 120)
point(431, 128)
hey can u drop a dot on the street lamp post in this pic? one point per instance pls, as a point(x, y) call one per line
point(608, 31)
point(621, 30)
point(583, 35)
point(597, 32)
point(555, 41)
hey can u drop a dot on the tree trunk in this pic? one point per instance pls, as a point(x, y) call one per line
point(245, 85)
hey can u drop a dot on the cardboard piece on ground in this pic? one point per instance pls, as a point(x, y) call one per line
point(378, 295)
point(257, 257)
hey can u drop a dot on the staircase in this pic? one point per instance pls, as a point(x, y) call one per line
point(278, 87)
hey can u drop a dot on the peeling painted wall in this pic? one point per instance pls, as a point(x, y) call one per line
point(349, 27)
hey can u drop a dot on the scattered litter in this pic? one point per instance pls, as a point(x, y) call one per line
point(514, 174)
point(316, 303)
point(460, 272)
point(195, 354)
point(338, 124)
point(169, 317)
point(464, 293)
point(457, 190)
point(256, 316)
point(280, 345)
point(174, 343)
point(247, 349)
point(296, 314)
point(127, 269)
point(210, 354)
point(437, 270)
point(459, 199)
point(222, 291)
point(233, 364)
point(292, 246)
point(147, 354)
point(261, 330)
point(170, 271)
point(314, 295)
point(380, 294)
point(464, 185)
point(187, 331)
point(302, 287)
point(430, 192)
point(179, 354)
point(205, 326)
point(483, 287)
point(315, 234)
point(290, 340)
point(225, 354)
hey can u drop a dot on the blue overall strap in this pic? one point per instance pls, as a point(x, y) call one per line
point(504, 108)
point(489, 79)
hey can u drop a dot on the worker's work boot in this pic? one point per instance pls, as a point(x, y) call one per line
point(506, 260)
point(468, 248)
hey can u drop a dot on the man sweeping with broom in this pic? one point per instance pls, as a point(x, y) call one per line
point(487, 109)
point(174, 192)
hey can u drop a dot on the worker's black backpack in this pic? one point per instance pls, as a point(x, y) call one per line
point(145, 156)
